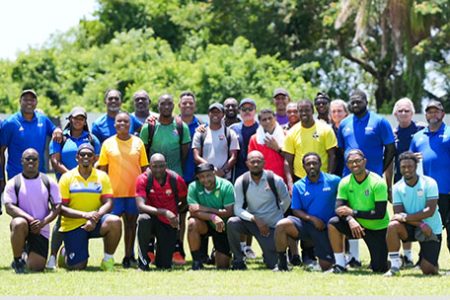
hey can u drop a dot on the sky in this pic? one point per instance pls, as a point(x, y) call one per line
point(25, 23)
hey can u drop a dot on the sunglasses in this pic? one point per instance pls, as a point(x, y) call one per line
point(247, 109)
point(86, 154)
point(31, 158)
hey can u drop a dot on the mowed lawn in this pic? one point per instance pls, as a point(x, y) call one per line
point(181, 281)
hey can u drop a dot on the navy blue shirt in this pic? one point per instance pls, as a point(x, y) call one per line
point(189, 164)
point(244, 133)
point(403, 138)
point(19, 134)
point(370, 134)
point(103, 127)
point(316, 198)
point(435, 149)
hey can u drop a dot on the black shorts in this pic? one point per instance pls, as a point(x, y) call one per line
point(220, 240)
point(307, 232)
point(38, 244)
point(374, 239)
point(429, 250)
point(444, 209)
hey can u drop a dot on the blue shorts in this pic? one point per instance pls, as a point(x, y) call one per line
point(125, 205)
point(307, 232)
point(76, 242)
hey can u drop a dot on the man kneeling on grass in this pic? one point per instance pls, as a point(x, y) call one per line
point(33, 201)
point(160, 193)
point(87, 199)
point(211, 201)
point(416, 217)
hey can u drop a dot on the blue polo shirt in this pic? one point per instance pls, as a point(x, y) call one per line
point(435, 149)
point(189, 164)
point(244, 133)
point(403, 138)
point(370, 134)
point(103, 127)
point(69, 150)
point(316, 198)
point(414, 199)
point(19, 134)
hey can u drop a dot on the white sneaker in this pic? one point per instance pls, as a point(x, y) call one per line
point(51, 264)
point(249, 253)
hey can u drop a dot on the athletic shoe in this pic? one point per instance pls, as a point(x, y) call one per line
point(133, 262)
point(107, 265)
point(126, 263)
point(249, 253)
point(280, 268)
point(51, 264)
point(392, 272)
point(62, 258)
point(197, 265)
point(313, 267)
point(151, 256)
point(177, 259)
point(337, 269)
point(238, 265)
point(142, 267)
point(407, 263)
point(18, 266)
point(295, 260)
point(354, 263)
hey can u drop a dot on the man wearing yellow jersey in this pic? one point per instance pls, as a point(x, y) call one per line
point(124, 158)
point(87, 198)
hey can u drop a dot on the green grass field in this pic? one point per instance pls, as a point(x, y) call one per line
point(180, 281)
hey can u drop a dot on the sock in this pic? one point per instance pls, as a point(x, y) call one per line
point(282, 259)
point(196, 255)
point(408, 254)
point(394, 257)
point(243, 245)
point(354, 248)
point(340, 259)
point(107, 256)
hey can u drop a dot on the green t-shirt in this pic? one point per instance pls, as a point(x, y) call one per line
point(167, 142)
point(222, 196)
point(362, 197)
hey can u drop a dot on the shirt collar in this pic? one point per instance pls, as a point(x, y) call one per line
point(321, 179)
point(363, 118)
point(441, 129)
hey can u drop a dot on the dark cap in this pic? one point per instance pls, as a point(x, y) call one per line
point(247, 101)
point(86, 146)
point(77, 111)
point(32, 92)
point(280, 91)
point(204, 167)
point(321, 95)
point(435, 104)
point(217, 106)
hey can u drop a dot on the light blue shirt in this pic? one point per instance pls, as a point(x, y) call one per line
point(414, 199)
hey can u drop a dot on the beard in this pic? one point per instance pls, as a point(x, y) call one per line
point(256, 173)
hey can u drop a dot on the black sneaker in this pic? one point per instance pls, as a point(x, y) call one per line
point(407, 263)
point(133, 262)
point(19, 266)
point(296, 260)
point(337, 269)
point(354, 263)
point(197, 265)
point(239, 265)
point(126, 262)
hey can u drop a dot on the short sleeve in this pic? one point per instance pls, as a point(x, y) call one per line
point(196, 140)
point(181, 186)
point(289, 142)
point(97, 145)
point(143, 155)
point(252, 143)
point(50, 127)
point(330, 139)
point(234, 142)
point(144, 134)
point(386, 132)
point(343, 190)
point(96, 131)
point(64, 184)
point(9, 195)
point(103, 159)
point(54, 192)
point(412, 146)
point(107, 191)
point(296, 203)
point(7, 132)
point(192, 197)
point(186, 134)
point(340, 137)
point(432, 191)
point(54, 147)
point(380, 191)
point(228, 198)
point(396, 196)
point(141, 183)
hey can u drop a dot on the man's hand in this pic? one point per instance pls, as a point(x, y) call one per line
point(218, 222)
point(35, 226)
point(357, 230)
point(57, 135)
point(94, 216)
point(173, 219)
point(220, 173)
point(318, 224)
point(426, 229)
point(201, 128)
point(263, 228)
point(344, 211)
point(151, 119)
point(89, 226)
point(399, 217)
point(271, 142)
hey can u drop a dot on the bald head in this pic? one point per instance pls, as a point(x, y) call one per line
point(255, 154)
point(157, 157)
point(30, 151)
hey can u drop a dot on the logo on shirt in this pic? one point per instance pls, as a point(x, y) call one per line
point(326, 189)
point(175, 132)
point(221, 137)
point(217, 194)
point(420, 193)
point(306, 193)
point(21, 128)
point(168, 192)
point(315, 135)
point(368, 129)
point(347, 129)
point(366, 192)
point(267, 187)
point(40, 124)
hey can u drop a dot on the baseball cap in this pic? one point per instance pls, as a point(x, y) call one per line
point(29, 91)
point(77, 111)
point(321, 95)
point(217, 106)
point(86, 146)
point(435, 104)
point(204, 167)
point(247, 101)
point(280, 91)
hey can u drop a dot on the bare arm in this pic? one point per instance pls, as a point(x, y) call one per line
point(185, 151)
point(14, 211)
point(197, 157)
point(331, 160)
point(290, 159)
point(57, 165)
point(388, 156)
point(205, 213)
point(2, 165)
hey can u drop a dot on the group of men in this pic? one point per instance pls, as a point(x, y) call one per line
point(274, 180)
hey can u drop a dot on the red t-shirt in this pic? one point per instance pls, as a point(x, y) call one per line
point(161, 196)
point(274, 160)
